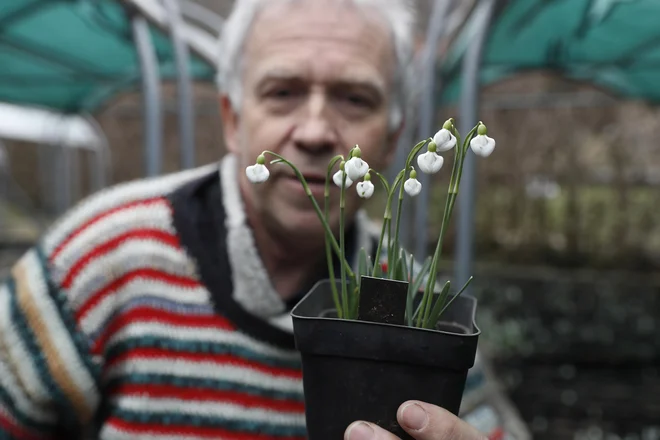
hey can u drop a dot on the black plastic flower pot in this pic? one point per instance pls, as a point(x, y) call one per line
point(362, 370)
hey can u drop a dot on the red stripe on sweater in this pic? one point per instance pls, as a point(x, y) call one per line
point(220, 359)
point(186, 430)
point(16, 431)
point(104, 248)
point(151, 314)
point(145, 273)
point(206, 395)
point(101, 216)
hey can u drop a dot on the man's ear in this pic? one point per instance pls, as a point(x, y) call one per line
point(393, 143)
point(229, 119)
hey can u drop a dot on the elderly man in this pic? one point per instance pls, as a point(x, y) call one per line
point(159, 308)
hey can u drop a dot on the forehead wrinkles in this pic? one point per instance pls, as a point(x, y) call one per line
point(291, 28)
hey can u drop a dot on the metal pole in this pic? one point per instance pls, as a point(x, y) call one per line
point(151, 95)
point(427, 117)
point(186, 110)
point(99, 163)
point(469, 106)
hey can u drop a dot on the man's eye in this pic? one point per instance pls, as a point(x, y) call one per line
point(280, 93)
point(358, 100)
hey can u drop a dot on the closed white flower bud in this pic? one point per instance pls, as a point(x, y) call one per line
point(412, 187)
point(482, 145)
point(337, 179)
point(365, 189)
point(444, 140)
point(356, 168)
point(429, 162)
point(257, 173)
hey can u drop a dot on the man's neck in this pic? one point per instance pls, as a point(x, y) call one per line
point(291, 269)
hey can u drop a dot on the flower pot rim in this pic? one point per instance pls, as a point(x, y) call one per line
point(475, 329)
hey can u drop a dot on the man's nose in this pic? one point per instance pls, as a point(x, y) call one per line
point(315, 132)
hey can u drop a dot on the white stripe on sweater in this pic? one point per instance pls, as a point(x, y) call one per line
point(119, 195)
point(21, 401)
point(58, 334)
point(134, 289)
point(206, 370)
point(201, 335)
point(130, 255)
point(112, 432)
point(19, 354)
point(209, 409)
point(156, 215)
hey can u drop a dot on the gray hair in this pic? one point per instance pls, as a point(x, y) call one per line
point(399, 15)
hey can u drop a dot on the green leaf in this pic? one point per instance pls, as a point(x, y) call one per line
point(452, 300)
point(410, 297)
point(417, 283)
point(363, 268)
point(437, 307)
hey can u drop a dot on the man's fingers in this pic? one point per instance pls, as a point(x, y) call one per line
point(424, 421)
point(421, 420)
point(367, 431)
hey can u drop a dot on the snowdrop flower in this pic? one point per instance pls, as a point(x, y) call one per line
point(481, 144)
point(430, 162)
point(337, 177)
point(356, 168)
point(258, 173)
point(365, 189)
point(412, 185)
point(444, 139)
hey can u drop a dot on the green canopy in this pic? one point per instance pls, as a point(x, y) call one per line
point(71, 55)
point(614, 44)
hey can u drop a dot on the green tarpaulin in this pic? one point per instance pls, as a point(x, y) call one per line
point(614, 44)
point(71, 55)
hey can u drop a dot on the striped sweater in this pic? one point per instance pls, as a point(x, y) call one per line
point(145, 313)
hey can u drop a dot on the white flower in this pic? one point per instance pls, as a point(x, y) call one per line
point(356, 168)
point(257, 173)
point(365, 189)
point(482, 145)
point(337, 179)
point(430, 162)
point(444, 140)
point(412, 186)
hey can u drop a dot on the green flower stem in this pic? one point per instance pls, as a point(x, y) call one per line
point(416, 149)
point(388, 215)
point(387, 218)
point(342, 244)
point(454, 184)
point(333, 242)
point(328, 248)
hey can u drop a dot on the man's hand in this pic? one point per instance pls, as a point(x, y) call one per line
point(422, 421)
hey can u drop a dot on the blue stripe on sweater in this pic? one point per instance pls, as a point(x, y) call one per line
point(66, 316)
point(25, 332)
point(199, 347)
point(203, 383)
point(6, 401)
point(246, 426)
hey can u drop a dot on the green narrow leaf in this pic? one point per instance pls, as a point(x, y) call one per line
point(362, 262)
point(451, 301)
point(411, 293)
point(437, 307)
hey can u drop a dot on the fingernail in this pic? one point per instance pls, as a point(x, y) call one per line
point(414, 417)
point(359, 431)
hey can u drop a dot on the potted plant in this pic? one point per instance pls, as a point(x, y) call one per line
point(378, 336)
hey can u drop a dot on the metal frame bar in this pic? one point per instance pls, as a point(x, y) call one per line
point(184, 88)
point(469, 109)
point(151, 95)
point(427, 116)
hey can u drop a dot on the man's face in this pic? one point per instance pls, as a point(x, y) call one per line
point(317, 80)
